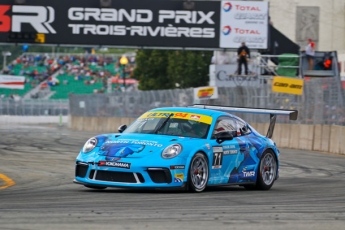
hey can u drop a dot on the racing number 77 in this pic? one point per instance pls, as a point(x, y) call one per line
point(5, 20)
point(217, 157)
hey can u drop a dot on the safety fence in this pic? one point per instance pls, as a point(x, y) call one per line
point(34, 107)
point(322, 102)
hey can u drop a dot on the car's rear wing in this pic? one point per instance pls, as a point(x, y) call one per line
point(293, 114)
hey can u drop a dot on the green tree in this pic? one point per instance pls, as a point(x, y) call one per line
point(189, 68)
point(151, 70)
point(166, 69)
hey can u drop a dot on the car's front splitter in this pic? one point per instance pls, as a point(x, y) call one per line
point(173, 173)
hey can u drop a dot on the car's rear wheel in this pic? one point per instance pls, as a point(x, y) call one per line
point(95, 187)
point(198, 173)
point(267, 171)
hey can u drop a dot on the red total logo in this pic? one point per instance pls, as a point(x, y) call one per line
point(245, 31)
point(247, 8)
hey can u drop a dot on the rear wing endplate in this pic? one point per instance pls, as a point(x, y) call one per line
point(293, 114)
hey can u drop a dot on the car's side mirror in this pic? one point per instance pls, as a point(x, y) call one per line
point(122, 128)
point(223, 136)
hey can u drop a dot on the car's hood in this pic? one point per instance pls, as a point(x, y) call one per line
point(117, 146)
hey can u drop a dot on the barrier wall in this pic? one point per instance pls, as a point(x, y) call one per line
point(98, 124)
point(325, 138)
point(7, 119)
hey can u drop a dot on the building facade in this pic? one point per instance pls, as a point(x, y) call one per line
point(321, 20)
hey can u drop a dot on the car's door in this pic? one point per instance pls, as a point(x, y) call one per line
point(249, 160)
point(225, 155)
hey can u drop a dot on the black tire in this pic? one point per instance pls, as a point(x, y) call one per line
point(95, 187)
point(198, 173)
point(267, 171)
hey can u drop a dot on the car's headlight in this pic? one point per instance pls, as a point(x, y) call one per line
point(90, 145)
point(172, 151)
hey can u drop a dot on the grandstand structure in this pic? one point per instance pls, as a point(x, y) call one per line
point(55, 76)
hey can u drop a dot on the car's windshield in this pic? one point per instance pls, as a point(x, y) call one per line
point(179, 124)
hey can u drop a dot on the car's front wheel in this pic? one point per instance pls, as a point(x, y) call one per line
point(267, 171)
point(198, 173)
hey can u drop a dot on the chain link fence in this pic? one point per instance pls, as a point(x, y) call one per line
point(33, 107)
point(322, 102)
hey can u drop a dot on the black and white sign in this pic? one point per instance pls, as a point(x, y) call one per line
point(125, 23)
point(146, 23)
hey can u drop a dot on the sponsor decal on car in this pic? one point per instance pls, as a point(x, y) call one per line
point(228, 152)
point(178, 177)
point(135, 142)
point(217, 157)
point(115, 164)
point(177, 167)
point(208, 146)
point(187, 116)
point(195, 117)
point(230, 149)
point(248, 174)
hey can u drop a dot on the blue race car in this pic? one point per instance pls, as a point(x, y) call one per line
point(188, 147)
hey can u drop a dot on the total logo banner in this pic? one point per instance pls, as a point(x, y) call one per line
point(242, 21)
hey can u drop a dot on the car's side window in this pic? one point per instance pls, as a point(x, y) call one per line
point(243, 127)
point(224, 124)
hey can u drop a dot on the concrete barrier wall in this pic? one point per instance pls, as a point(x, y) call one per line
point(5, 119)
point(98, 124)
point(325, 138)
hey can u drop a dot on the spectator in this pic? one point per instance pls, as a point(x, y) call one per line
point(243, 56)
point(310, 53)
point(326, 63)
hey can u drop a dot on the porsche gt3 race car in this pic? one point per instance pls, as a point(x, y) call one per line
point(188, 147)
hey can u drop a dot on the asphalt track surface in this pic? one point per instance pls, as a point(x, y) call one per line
point(40, 161)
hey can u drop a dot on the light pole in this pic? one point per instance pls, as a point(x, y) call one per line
point(5, 54)
point(124, 62)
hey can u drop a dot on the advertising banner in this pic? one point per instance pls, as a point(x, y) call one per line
point(207, 92)
point(244, 21)
point(145, 23)
point(224, 76)
point(287, 85)
point(12, 82)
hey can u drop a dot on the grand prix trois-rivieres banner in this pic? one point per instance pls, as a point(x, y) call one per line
point(144, 23)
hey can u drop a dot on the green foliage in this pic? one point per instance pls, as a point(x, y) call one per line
point(151, 70)
point(189, 68)
point(168, 69)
